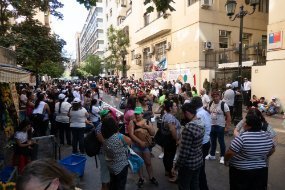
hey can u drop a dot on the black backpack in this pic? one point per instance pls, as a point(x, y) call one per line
point(222, 106)
point(91, 144)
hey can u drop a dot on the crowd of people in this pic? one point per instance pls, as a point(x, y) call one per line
point(189, 125)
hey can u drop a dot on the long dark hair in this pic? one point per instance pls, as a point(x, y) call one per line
point(39, 99)
point(76, 106)
point(256, 120)
point(60, 102)
point(131, 104)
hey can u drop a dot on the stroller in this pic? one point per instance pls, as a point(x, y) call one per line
point(123, 102)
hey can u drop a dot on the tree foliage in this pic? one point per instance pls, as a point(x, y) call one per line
point(55, 70)
point(91, 67)
point(161, 5)
point(118, 42)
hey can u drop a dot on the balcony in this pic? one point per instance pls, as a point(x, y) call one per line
point(154, 29)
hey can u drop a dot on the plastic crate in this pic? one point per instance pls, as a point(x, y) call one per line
point(74, 163)
point(6, 175)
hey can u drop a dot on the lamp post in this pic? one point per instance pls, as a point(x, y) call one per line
point(230, 8)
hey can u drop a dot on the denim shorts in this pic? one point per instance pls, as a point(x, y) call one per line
point(138, 149)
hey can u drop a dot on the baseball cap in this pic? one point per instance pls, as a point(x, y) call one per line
point(76, 100)
point(138, 110)
point(61, 96)
point(273, 98)
point(104, 112)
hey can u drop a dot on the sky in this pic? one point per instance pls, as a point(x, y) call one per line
point(73, 21)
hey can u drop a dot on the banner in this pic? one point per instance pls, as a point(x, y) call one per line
point(156, 75)
point(184, 75)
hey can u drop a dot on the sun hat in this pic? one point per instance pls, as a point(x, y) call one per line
point(61, 96)
point(228, 85)
point(138, 110)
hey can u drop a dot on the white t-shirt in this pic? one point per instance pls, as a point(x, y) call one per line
point(21, 136)
point(94, 115)
point(247, 86)
point(23, 99)
point(40, 110)
point(78, 118)
point(62, 116)
point(76, 94)
point(229, 97)
point(217, 114)
point(177, 88)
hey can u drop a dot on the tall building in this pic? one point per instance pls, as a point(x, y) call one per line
point(77, 48)
point(92, 36)
point(268, 80)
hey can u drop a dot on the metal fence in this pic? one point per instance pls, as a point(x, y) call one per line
point(255, 52)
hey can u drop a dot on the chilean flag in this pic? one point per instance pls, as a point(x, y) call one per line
point(274, 37)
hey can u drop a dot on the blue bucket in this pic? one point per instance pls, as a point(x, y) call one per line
point(74, 163)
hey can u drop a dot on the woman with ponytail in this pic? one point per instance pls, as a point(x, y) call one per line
point(62, 120)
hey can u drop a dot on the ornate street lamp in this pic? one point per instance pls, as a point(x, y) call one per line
point(230, 8)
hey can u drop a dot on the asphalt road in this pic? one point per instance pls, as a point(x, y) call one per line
point(217, 174)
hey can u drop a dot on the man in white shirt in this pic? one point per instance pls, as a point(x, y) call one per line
point(205, 98)
point(177, 87)
point(229, 98)
point(246, 91)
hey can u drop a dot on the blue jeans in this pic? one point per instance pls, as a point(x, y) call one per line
point(217, 132)
point(188, 179)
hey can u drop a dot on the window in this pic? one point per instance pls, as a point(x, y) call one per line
point(132, 54)
point(264, 41)
point(123, 3)
point(111, 12)
point(107, 17)
point(146, 19)
point(160, 51)
point(224, 38)
point(263, 6)
point(159, 14)
point(190, 2)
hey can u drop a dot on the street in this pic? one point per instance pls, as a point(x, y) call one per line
point(217, 174)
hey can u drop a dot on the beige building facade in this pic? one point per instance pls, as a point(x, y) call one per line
point(179, 43)
point(268, 80)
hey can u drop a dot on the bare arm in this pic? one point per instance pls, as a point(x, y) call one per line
point(228, 155)
point(228, 120)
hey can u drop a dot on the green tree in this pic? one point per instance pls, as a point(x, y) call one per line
point(161, 5)
point(93, 65)
point(118, 42)
point(55, 70)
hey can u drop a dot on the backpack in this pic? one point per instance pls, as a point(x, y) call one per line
point(222, 106)
point(91, 144)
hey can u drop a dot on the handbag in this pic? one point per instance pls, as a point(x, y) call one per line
point(135, 161)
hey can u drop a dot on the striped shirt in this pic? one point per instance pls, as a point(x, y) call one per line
point(190, 154)
point(251, 150)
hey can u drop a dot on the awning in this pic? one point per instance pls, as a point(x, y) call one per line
point(235, 64)
point(13, 74)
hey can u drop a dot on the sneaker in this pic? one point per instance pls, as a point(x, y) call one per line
point(222, 161)
point(161, 155)
point(209, 157)
point(140, 183)
point(154, 181)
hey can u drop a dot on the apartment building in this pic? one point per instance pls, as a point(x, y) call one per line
point(268, 80)
point(92, 37)
point(194, 42)
point(77, 48)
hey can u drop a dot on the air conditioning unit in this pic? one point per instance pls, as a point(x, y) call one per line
point(223, 33)
point(206, 3)
point(208, 45)
point(168, 46)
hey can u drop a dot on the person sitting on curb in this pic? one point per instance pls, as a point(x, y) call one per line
point(273, 107)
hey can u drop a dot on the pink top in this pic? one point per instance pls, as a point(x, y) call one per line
point(127, 117)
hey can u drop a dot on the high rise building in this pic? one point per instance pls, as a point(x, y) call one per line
point(92, 37)
point(77, 48)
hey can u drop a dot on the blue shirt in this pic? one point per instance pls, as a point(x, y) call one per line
point(206, 119)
